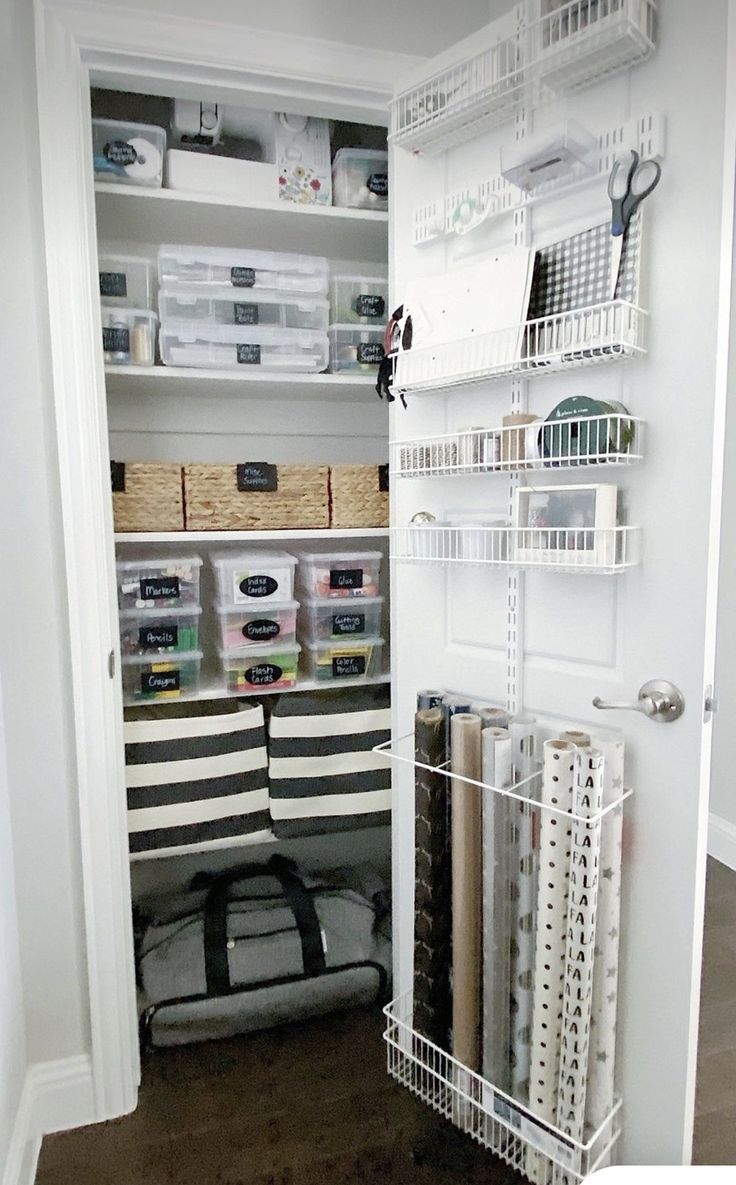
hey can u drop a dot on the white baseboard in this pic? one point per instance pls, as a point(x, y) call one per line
point(722, 840)
point(56, 1096)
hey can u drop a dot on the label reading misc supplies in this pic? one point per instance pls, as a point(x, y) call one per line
point(259, 476)
point(116, 340)
point(160, 588)
point(263, 630)
point(346, 666)
point(348, 623)
point(263, 674)
point(249, 354)
point(158, 637)
point(242, 277)
point(371, 352)
point(245, 314)
point(159, 681)
point(113, 284)
point(346, 578)
point(378, 183)
point(370, 305)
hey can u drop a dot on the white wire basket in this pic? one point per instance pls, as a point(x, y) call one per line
point(545, 444)
point(557, 49)
point(595, 550)
point(598, 333)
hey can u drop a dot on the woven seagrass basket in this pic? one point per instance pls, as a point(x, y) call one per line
point(147, 496)
point(359, 495)
point(216, 499)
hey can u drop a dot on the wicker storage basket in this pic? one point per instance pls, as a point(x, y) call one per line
point(359, 495)
point(147, 496)
point(216, 499)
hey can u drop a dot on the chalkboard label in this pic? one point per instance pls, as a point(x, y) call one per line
point(158, 637)
point(158, 681)
point(113, 284)
point(258, 586)
point(117, 476)
point(383, 479)
point(346, 578)
point(261, 631)
point(116, 340)
point(245, 314)
point(160, 588)
point(370, 305)
point(348, 623)
point(120, 152)
point(370, 352)
point(242, 277)
point(347, 665)
point(257, 475)
point(249, 354)
point(263, 674)
point(378, 184)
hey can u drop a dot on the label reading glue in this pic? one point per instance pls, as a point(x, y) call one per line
point(378, 183)
point(113, 284)
point(370, 352)
point(119, 152)
point(242, 277)
point(160, 588)
point(156, 637)
point(263, 674)
point(348, 665)
point(245, 314)
point(346, 578)
point(348, 623)
point(116, 340)
point(368, 305)
point(249, 354)
point(158, 681)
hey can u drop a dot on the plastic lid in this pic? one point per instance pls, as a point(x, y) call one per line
point(165, 561)
point(174, 611)
point(262, 555)
point(353, 276)
point(187, 330)
point(263, 609)
point(271, 261)
point(124, 258)
point(268, 649)
point(172, 659)
point(366, 153)
point(232, 294)
point(338, 604)
point(348, 644)
point(328, 557)
point(129, 123)
point(115, 310)
point(352, 329)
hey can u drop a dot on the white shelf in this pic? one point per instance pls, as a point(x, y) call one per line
point(328, 533)
point(254, 840)
point(599, 551)
point(212, 688)
point(148, 380)
point(170, 216)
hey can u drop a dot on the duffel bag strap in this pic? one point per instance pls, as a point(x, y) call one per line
point(302, 906)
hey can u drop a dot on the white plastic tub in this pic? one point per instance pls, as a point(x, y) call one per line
point(128, 336)
point(159, 631)
point(158, 582)
point(248, 577)
point(331, 662)
point(360, 178)
point(242, 627)
point(128, 153)
point(242, 268)
point(126, 280)
point(359, 299)
point(328, 619)
point(232, 347)
point(225, 176)
point(224, 305)
point(354, 347)
point(261, 668)
point(340, 574)
point(166, 677)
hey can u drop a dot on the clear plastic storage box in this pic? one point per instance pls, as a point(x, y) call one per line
point(248, 577)
point(329, 662)
point(224, 305)
point(158, 583)
point(340, 574)
point(244, 626)
point(164, 678)
point(155, 631)
point(128, 153)
point(232, 347)
point(128, 336)
point(261, 668)
point(358, 299)
point(360, 178)
point(327, 619)
point(354, 347)
point(126, 280)
point(242, 268)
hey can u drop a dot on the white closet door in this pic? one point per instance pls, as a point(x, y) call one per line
point(593, 635)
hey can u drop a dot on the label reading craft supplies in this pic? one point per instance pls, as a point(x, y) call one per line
point(159, 681)
point(249, 354)
point(378, 184)
point(245, 314)
point(348, 623)
point(346, 578)
point(259, 476)
point(347, 665)
point(262, 630)
point(258, 585)
point(370, 305)
point(160, 588)
point(263, 674)
point(371, 352)
point(242, 277)
point(156, 637)
point(120, 152)
point(113, 284)
point(116, 340)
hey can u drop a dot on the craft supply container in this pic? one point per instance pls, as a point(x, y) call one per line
point(332, 661)
point(329, 619)
point(254, 496)
point(155, 631)
point(359, 496)
point(253, 578)
point(147, 496)
point(242, 268)
point(357, 299)
point(241, 627)
point(360, 178)
point(220, 304)
point(356, 348)
point(128, 153)
point(340, 574)
point(267, 668)
point(159, 583)
point(163, 678)
point(128, 336)
point(126, 280)
point(235, 347)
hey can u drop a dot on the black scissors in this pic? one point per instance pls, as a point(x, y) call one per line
point(631, 180)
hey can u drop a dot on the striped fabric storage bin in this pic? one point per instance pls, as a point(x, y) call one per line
point(323, 775)
point(196, 776)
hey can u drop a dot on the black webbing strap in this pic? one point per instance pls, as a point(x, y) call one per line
point(305, 914)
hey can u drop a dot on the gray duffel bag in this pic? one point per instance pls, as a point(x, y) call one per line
point(261, 946)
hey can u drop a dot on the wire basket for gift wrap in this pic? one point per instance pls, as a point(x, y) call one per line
point(214, 501)
point(359, 495)
point(147, 496)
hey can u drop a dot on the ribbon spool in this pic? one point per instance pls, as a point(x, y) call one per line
point(587, 440)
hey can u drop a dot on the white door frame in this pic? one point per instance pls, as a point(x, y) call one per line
point(127, 48)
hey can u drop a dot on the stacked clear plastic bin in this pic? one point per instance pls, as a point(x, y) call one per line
point(160, 611)
point(256, 620)
point(340, 615)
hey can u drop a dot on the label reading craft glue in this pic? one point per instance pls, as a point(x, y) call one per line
point(368, 305)
point(346, 578)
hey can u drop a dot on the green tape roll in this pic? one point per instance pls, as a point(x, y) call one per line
point(560, 442)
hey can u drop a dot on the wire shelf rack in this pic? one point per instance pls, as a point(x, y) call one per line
point(544, 444)
point(598, 333)
point(557, 49)
point(594, 550)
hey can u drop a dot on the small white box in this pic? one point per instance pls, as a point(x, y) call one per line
point(565, 150)
point(224, 176)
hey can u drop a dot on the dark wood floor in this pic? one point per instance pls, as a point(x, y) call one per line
point(715, 1108)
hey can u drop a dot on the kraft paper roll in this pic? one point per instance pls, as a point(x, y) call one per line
point(579, 957)
point(580, 739)
point(429, 699)
point(433, 884)
point(600, 1094)
point(555, 839)
point(523, 728)
point(451, 705)
point(523, 885)
point(497, 771)
point(466, 889)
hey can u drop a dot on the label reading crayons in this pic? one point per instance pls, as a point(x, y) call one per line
point(346, 578)
point(160, 681)
point(346, 665)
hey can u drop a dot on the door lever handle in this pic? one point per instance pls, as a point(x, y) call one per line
point(658, 699)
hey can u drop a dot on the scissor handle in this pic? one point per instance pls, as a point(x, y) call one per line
point(619, 188)
point(644, 179)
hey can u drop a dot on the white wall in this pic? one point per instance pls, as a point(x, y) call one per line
point(34, 658)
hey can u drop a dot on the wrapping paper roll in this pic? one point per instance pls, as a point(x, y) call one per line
point(599, 1100)
point(523, 889)
point(497, 771)
point(580, 739)
point(493, 717)
point(451, 705)
point(433, 884)
point(579, 958)
point(429, 699)
point(555, 839)
point(523, 729)
point(513, 442)
point(466, 889)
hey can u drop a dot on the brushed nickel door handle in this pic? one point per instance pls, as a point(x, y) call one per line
point(658, 699)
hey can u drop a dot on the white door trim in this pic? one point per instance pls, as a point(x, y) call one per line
point(117, 45)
